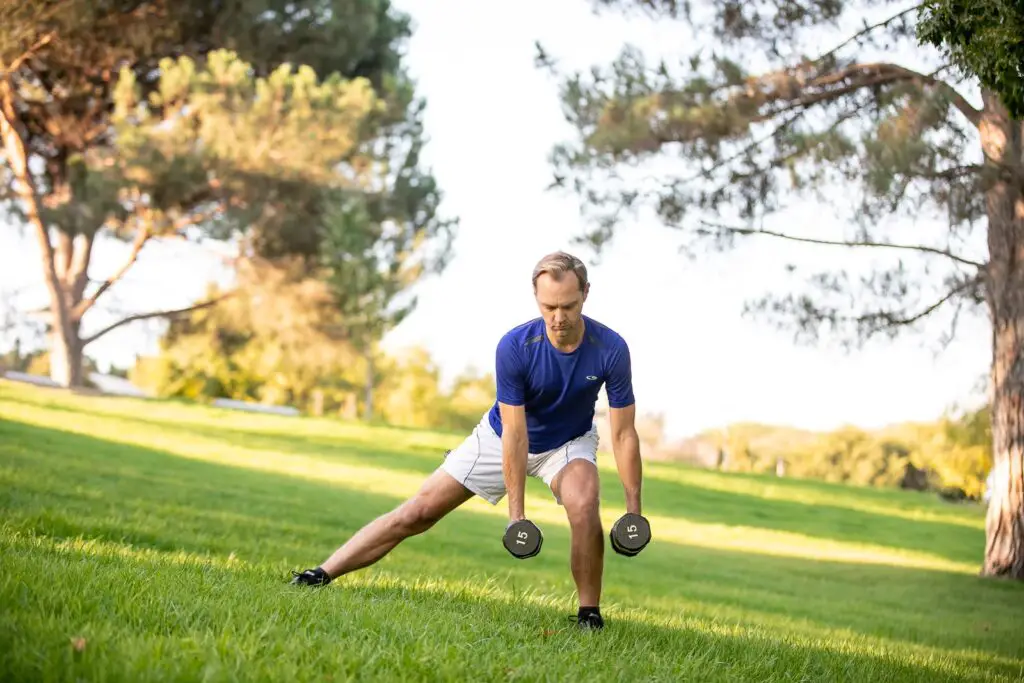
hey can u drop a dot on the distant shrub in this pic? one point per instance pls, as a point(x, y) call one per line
point(951, 456)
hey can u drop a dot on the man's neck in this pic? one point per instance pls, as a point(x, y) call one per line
point(570, 345)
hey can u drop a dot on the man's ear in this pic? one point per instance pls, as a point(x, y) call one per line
point(586, 291)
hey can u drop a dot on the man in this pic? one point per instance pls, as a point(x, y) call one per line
point(549, 372)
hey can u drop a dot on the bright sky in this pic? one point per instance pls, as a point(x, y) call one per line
point(492, 119)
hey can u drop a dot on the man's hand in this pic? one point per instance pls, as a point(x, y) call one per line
point(626, 448)
point(514, 449)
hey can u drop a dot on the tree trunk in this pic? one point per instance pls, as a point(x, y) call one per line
point(350, 409)
point(64, 269)
point(70, 264)
point(1003, 142)
point(370, 377)
point(317, 408)
point(67, 356)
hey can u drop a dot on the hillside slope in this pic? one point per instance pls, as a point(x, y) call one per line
point(147, 540)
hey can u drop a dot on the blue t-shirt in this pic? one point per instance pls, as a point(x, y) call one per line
point(560, 389)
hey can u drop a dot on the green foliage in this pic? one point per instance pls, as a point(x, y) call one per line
point(983, 37)
point(853, 456)
point(952, 455)
point(411, 394)
point(67, 55)
point(283, 341)
point(279, 340)
point(290, 128)
point(236, 141)
point(267, 151)
point(960, 453)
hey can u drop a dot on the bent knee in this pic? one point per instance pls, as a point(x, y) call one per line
point(581, 502)
point(582, 509)
point(416, 516)
point(578, 486)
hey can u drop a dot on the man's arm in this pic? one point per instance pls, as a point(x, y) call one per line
point(626, 448)
point(514, 448)
point(512, 409)
point(622, 416)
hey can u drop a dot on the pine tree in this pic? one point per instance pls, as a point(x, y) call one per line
point(898, 140)
point(256, 121)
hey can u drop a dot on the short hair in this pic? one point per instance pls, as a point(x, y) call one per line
point(557, 264)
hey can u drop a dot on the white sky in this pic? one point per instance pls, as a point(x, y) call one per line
point(492, 119)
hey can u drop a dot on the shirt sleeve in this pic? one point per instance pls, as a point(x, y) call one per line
point(619, 381)
point(508, 370)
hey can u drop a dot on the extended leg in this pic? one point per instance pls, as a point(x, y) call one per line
point(578, 487)
point(439, 495)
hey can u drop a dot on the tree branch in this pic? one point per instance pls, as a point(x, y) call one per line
point(952, 173)
point(868, 29)
point(155, 314)
point(42, 41)
point(891, 321)
point(194, 219)
point(971, 113)
point(810, 316)
point(141, 237)
point(773, 94)
point(861, 76)
point(754, 144)
point(810, 240)
point(63, 250)
point(79, 276)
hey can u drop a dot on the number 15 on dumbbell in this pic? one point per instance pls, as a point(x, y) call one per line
point(630, 534)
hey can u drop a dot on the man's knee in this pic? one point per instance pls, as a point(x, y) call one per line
point(579, 491)
point(439, 495)
point(416, 515)
point(582, 509)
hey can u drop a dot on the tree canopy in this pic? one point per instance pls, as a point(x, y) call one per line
point(984, 38)
point(291, 129)
point(733, 145)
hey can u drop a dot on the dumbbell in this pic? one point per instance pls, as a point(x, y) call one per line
point(523, 539)
point(630, 534)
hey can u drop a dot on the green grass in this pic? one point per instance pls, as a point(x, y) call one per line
point(146, 540)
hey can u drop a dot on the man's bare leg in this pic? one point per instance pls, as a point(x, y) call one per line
point(578, 487)
point(439, 495)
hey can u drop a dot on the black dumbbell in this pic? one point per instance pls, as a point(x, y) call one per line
point(630, 534)
point(523, 539)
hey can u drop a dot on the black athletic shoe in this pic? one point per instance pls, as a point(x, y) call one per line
point(310, 577)
point(588, 621)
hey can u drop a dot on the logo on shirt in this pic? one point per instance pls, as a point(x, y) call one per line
point(591, 377)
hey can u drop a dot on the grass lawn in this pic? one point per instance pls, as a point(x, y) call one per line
point(147, 540)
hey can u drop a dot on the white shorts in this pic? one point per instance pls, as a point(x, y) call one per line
point(476, 462)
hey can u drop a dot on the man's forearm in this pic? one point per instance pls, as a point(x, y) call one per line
point(626, 448)
point(514, 449)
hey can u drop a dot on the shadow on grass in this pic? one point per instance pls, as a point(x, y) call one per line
point(679, 499)
point(63, 485)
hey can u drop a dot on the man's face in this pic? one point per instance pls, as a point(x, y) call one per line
point(561, 304)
